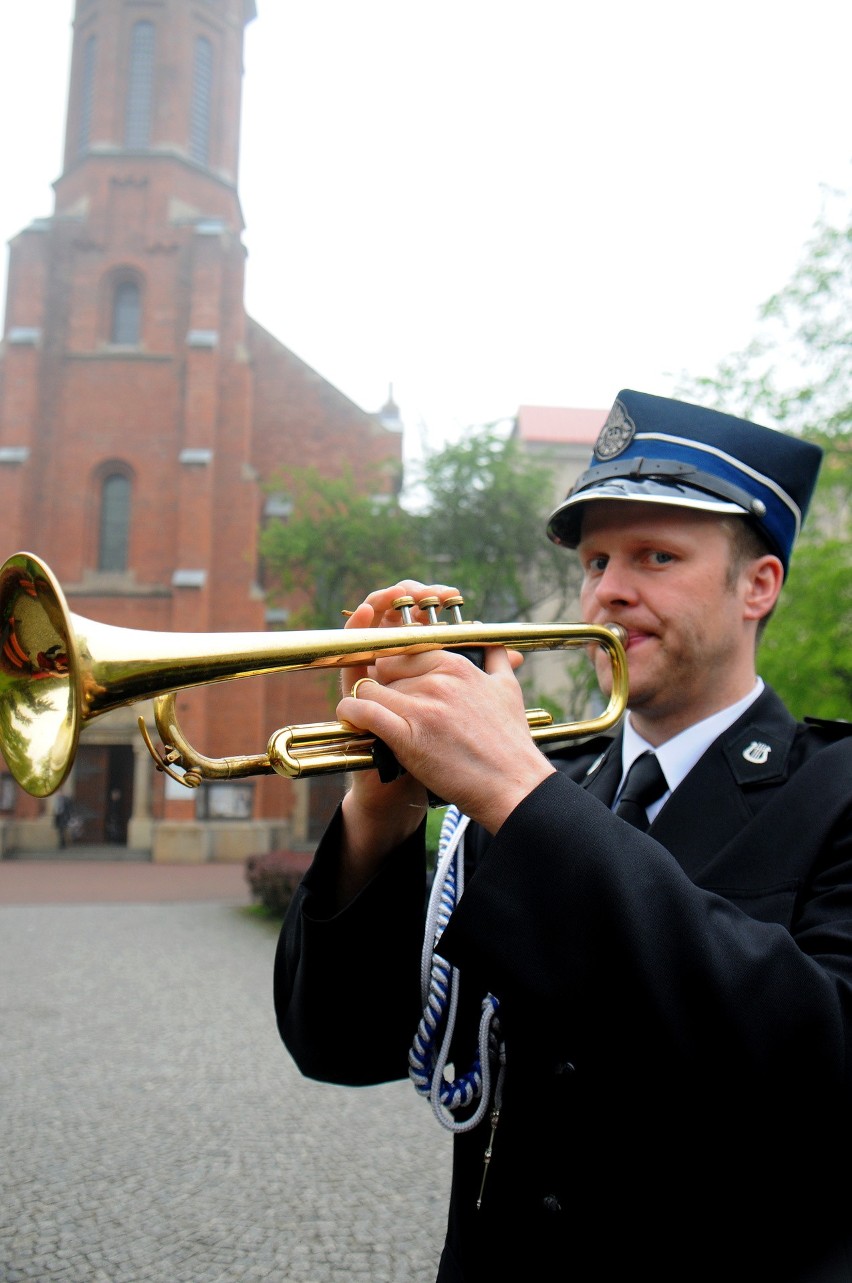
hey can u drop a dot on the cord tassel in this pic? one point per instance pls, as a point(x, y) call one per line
point(439, 983)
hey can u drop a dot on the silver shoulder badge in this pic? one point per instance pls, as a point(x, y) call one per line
point(756, 756)
point(616, 434)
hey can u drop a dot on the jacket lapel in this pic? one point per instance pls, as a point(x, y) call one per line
point(601, 778)
point(727, 786)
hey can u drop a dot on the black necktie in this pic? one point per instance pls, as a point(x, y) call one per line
point(645, 783)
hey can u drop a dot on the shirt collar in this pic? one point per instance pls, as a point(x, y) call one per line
point(678, 755)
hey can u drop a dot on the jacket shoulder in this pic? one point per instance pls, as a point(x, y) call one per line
point(828, 729)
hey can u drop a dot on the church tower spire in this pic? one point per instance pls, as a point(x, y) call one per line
point(162, 77)
point(125, 364)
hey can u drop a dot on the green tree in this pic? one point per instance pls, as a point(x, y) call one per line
point(484, 528)
point(480, 526)
point(797, 374)
point(806, 652)
point(336, 544)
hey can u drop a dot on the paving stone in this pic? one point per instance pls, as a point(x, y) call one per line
point(156, 1131)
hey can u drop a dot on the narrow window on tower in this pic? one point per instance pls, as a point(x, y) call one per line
point(114, 533)
point(126, 314)
point(140, 86)
point(202, 91)
point(87, 94)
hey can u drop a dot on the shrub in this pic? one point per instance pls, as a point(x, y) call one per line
point(273, 878)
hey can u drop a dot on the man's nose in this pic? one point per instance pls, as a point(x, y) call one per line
point(616, 584)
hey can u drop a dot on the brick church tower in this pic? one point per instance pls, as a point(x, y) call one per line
point(144, 418)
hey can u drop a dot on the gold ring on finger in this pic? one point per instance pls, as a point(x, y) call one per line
point(360, 682)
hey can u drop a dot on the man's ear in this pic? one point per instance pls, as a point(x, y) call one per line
point(763, 579)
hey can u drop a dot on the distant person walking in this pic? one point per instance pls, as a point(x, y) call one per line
point(63, 818)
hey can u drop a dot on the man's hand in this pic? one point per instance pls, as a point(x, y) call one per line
point(458, 731)
point(377, 816)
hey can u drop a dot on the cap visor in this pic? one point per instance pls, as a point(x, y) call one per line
point(564, 524)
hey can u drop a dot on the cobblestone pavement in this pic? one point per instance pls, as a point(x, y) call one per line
point(47, 880)
point(154, 1129)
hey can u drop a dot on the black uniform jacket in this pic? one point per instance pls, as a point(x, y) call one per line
point(676, 1008)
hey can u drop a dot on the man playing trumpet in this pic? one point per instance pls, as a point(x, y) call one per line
point(652, 981)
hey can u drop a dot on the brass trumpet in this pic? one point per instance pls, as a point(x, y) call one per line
point(59, 671)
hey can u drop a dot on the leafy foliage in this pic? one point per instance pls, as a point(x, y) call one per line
point(484, 524)
point(481, 529)
point(797, 373)
point(337, 544)
point(806, 653)
point(479, 526)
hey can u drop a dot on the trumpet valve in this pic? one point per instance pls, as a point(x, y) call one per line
point(403, 605)
point(429, 605)
point(454, 605)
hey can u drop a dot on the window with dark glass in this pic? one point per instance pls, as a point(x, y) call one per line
point(140, 86)
point(87, 94)
point(126, 314)
point(115, 522)
point(202, 92)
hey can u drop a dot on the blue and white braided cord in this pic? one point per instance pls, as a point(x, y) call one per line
point(428, 1056)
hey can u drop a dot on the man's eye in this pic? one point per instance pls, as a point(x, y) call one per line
point(596, 565)
point(661, 558)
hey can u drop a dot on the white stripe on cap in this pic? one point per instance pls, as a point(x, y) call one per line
point(734, 463)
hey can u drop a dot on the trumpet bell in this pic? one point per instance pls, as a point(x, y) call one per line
point(40, 686)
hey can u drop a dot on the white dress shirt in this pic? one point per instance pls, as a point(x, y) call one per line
point(679, 754)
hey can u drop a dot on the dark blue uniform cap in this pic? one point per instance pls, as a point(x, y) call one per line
point(656, 450)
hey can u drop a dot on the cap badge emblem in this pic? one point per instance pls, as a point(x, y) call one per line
point(757, 753)
point(616, 434)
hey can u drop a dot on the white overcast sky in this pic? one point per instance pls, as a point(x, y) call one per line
point(490, 203)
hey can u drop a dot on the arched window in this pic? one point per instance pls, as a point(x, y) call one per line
point(114, 531)
point(87, 94)
point(126, 314)
point(140, 86)
point(202, 92)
